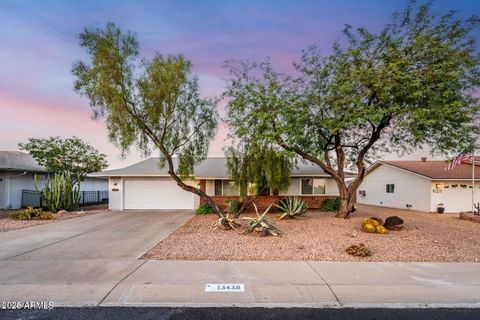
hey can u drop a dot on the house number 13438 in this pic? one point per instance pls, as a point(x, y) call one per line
point(225, 287)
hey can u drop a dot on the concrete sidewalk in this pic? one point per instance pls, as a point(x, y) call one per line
point(94, 261)
point(300, 284)
point(267, 284)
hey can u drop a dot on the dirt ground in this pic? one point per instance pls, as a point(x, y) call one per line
point(7, 224)
point(426, 237)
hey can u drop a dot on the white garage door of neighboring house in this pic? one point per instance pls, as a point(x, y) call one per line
point(457, 199)
point(156, 194)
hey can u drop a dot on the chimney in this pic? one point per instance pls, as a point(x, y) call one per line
point(424, 159)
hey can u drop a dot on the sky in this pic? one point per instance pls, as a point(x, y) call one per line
point(39, 44)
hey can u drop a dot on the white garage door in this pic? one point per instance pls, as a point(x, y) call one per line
point(156, 194)
point(458, 199)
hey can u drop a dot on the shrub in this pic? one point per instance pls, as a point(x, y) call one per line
point(204, 209)
point(46, 216)
point(20, 215)
point(31, 214)
point(292, 207)
point(331, 204)
point(233, 205)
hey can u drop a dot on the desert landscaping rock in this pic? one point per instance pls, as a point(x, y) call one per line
point(7, 224)
point(425, 237)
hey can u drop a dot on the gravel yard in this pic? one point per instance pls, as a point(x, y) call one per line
point(426, 237)
point(7, 224)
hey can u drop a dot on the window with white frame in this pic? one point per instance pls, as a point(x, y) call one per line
point(226, 188)
point(390, 188)
point(313, 186)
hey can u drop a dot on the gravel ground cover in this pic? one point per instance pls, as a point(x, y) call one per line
point(7, 224)
point(426, 237)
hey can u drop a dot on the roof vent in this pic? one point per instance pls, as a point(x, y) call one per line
point(424, 159)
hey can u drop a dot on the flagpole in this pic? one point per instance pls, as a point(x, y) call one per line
point(473, 179)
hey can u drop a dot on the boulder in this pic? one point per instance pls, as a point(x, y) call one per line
point(393, 223)
point(62, 211)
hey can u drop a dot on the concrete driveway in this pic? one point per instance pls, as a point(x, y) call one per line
point(79, 261)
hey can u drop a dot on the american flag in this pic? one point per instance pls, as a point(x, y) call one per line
point(457, 161)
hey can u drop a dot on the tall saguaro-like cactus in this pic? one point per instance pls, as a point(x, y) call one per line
point(61, 192)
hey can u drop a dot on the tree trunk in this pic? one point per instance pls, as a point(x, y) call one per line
point(186, 187)
point(199, 193)
point(245, 204)
point(347, 199)
point(248, 201)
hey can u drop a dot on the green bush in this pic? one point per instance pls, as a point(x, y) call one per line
point(331, 204)
point(233, 205)
point(204, 209)
point(31, 214)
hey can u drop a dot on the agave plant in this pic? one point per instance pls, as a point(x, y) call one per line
point(261, 224)
point(292, 207)
point(226, 223)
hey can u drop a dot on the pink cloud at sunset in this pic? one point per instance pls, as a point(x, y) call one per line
point(40, 43)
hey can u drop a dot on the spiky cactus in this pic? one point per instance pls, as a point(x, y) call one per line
point(60, 192)
point(477, 207)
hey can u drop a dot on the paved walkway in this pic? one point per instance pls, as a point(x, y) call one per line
point(94, 261)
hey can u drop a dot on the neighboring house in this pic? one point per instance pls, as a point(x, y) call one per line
point(17, 172)
point(145, 185)
point(420, 185)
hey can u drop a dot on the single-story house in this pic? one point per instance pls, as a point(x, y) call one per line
point(17, 174)
point(145, 185)
point(420, 185)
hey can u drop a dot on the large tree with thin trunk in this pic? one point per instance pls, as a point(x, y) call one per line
point(412, 84)
point(152, 104)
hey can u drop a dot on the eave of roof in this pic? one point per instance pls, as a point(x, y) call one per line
point(211, 168)
point(430, 169)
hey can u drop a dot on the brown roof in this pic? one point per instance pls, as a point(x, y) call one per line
point(435, 169)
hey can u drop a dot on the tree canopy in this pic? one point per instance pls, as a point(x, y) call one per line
point(408, 85)
point(152, 104)
point(266, 168)
point(71, 155)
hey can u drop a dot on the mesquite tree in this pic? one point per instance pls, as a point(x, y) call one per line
point(148, 103)
point(409, 85)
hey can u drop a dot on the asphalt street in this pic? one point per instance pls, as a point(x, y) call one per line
point(141, 313)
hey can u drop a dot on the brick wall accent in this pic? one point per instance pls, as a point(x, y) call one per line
point(262, 202)
point(203, 185)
